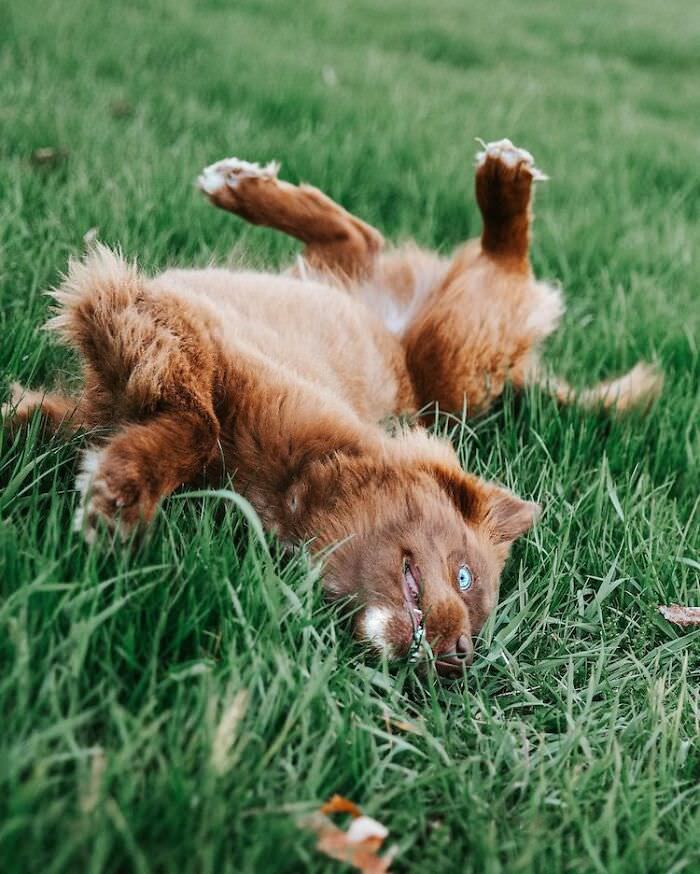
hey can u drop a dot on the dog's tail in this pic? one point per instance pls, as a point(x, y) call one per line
point(635, 390)
point(129, 335)
point(96, 303)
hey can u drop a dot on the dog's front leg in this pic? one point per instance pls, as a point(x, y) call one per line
point(123, 481)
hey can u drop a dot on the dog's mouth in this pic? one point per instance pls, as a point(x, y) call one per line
point(411, 584)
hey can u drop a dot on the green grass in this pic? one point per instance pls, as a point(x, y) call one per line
point(573, 746)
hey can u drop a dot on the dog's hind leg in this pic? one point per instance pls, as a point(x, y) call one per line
point(335, 241)
point(504, 181)
point(481, 327)
point(59, 413)
point(478, 327)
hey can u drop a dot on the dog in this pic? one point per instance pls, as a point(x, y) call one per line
point(282, 380)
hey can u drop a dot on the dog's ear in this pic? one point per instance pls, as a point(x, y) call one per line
point(505, 516)
point(465, 491)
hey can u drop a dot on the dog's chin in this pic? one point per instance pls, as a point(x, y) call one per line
point(394, 636)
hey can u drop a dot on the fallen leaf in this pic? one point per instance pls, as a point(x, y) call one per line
point(121, 108)
point(338, 804)
point(48, 156)
point(358, 845)
point(364, 829)
point(400, 725)
point(681, 615)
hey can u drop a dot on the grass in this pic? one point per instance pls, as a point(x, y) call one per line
point(573, 745)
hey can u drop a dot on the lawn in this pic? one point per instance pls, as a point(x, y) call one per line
point(573, 745)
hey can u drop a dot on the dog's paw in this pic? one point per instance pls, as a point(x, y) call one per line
point(504, 178)
point(229, 173)
point(513, 161)
point(109, 498)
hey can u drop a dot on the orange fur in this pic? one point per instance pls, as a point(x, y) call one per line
point(282, 380)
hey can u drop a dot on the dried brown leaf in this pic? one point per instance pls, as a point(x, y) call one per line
point(358, 845)
point(400, 725)
point(338, 804)
point(121, 108)
point(48, 156)
point(682, 616)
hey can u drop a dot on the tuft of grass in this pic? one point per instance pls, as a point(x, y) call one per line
point(175, 707)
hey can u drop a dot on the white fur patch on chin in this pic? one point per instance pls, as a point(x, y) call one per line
point(510, 155)
point(231, 170)
point(374, 627)
point(89, 465)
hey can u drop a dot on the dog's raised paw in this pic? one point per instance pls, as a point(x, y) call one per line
point(504, 152)
point(229, 172)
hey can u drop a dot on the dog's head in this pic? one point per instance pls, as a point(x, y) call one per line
point(423, 558)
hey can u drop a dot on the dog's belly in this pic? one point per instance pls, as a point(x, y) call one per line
point(312, 330)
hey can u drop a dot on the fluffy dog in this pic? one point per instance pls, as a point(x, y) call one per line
point(282, 381)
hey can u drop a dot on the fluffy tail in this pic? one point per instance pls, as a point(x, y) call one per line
point(96, 311)
point(636, 390)
point(129, 334)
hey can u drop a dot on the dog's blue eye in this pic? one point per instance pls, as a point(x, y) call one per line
point(464, 578)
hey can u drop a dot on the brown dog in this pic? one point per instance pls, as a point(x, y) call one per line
point(283, 379)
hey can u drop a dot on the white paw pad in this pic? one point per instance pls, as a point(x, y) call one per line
point(230, 171)
point(510, 155)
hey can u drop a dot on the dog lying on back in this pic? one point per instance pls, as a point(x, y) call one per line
point(282, 381)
